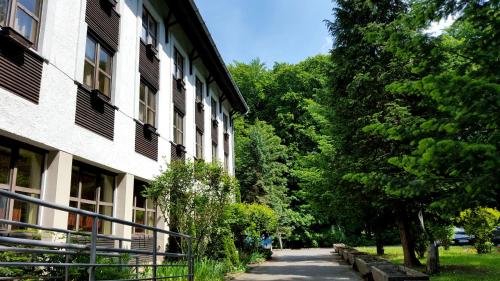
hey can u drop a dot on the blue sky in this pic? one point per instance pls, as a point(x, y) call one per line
point(272, 30)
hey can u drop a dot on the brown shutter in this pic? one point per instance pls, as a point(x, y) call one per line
point(179, 96)
point(215, 135)
point(226, 143)
point(149, 67)
point(94, 114)
point(20, 71)
point(104, 21)
point(199, 117)
point(175, 154)
point(146, 143)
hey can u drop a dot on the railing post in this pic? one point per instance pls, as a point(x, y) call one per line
point(190, 260)
point(136, 267)
point(93, 248)
point(66, 268)
point(154, 254)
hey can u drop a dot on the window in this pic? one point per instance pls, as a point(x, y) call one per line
point(149, 28)
point(225, 123)
point(178, 128)
point(143, 211)
point(91, 190)
point(199, 90)
point(20, 172)
point(147, 105)
point(214, 109)
point(97, 70)
point(199, 144)
point(226, 162)
point(23, 16)
point(178, 65)
point(214, 152)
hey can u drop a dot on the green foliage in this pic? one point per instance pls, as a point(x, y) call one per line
point(204, 270)
point(192, 198)
point(480, 223)
point(248, 222)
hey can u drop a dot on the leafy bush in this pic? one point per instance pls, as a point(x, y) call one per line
point(249, 222)
point(204, 270)
point(480, 223)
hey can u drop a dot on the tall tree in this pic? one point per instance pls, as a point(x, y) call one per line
point(362, 70)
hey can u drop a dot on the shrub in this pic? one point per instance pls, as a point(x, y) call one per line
point(480, 223)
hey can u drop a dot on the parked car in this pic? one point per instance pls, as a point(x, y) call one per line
point(460, 237)
point(496, 236)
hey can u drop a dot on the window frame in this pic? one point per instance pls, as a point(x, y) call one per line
point(226, 161)
point(199, 144)
point(150, 18)
point(10, 19)
point(225, 125)
point(97, 202)
point(178, 130)
point(213, 108)
point(146, 211)
point(178, 65)
point(199, 90)
point(214, 152)
point(12, 186)
point(95, 64)
point(149, 91)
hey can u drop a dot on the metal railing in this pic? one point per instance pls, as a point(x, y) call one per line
point(86, 245)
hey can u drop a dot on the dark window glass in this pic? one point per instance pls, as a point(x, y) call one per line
point(29, 169)
point(199, 90)
point(178, 65)
point(214, 109)
point(26, 167)
point(149, 28)
point(225, 122)
point(91, 190)
point(5, 158)
point(143, 211)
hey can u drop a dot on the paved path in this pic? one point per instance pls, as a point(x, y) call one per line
point(298, 265)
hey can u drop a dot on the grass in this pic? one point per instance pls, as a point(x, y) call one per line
point(457, 263)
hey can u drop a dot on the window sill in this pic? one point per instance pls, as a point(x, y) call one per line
point(200, 105)
point(97, 94)
point(15, 37)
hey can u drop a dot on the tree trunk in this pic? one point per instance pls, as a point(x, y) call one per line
point(280, 241)
point(407, 241)
point(379, 242)
point(433, 259)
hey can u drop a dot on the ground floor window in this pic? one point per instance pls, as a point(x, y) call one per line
point(21, 169)
point(91, 190)
point(143, 211)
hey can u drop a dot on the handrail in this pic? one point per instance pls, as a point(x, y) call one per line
point(43, 203)
point(90, 247)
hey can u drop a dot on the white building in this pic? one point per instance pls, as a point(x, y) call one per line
point(97, 95)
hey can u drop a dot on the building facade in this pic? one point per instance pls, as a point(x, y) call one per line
point(96, 96)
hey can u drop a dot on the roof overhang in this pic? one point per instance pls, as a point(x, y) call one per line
point(189, 17)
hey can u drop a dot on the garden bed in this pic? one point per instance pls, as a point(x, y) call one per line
point(396, 273)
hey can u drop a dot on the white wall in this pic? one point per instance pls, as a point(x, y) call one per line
point(51, 123)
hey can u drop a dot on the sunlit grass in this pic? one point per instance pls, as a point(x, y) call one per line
point(457, 263)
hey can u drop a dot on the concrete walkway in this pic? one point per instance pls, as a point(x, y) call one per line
point(306, 264)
